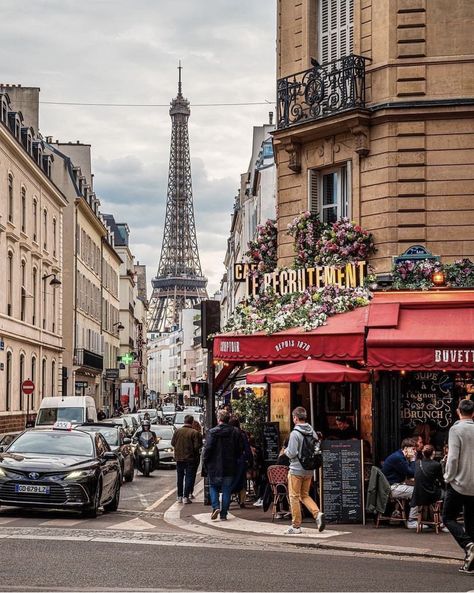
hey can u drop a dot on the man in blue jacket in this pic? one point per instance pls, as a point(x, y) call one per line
point(397, 468)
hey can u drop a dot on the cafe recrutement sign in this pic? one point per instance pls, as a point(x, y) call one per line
point(287, 281)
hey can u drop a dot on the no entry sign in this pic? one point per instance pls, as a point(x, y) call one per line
point(28, 387)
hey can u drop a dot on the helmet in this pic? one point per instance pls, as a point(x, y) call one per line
point(146, 425)
point(146, 416)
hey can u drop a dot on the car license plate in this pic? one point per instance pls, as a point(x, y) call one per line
point(31, 489)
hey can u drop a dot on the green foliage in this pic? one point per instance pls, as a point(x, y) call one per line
point(252, 410)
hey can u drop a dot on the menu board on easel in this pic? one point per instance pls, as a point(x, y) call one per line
point(271, 442)
point(343, 481)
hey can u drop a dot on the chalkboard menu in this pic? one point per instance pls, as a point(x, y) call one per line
point(271, 442)
point(427, 397)
point(342, 479)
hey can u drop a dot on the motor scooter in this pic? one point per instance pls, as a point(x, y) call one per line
point(147, 456)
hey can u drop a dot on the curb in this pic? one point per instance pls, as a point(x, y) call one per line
point(172, 516)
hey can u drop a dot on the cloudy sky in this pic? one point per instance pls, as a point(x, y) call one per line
point(118, 51)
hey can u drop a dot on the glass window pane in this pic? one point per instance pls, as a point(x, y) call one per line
point(329, 189)
point(330, 214)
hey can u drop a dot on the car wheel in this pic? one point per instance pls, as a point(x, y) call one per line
point(92, 511)
point(114, 503)
point(146, 467)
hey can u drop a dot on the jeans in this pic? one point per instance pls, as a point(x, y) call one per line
point(298, 488)
point(185, 472)
point(216, 486)
point(405, 491)
point(454, 503)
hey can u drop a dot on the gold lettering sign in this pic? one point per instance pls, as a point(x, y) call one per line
point(288, 281)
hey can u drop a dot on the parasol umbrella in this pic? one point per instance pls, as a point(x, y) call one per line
point(310, 371)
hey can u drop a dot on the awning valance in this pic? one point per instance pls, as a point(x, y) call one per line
point(341, 339)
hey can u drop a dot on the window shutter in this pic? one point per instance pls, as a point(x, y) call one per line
point(313, 194)
point(336, 29)
point(324, 31)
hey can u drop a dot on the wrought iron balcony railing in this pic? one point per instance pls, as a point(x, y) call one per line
point(321, 91)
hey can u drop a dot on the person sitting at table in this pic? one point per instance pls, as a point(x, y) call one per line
point(345, 429)
point(429, 483)
point(399, 467)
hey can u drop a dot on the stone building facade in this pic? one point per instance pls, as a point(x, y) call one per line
point(375, 121)
point(31, 265)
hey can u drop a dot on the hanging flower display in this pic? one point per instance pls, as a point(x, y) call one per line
point(309, 309)
point(263, 250)
point(306, 229)
point(414, 275)
point(460, 274)
point(342, 242)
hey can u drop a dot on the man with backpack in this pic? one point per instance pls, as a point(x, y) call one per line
point(305, 457)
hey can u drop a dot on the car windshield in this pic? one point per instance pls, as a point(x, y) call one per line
point(164, 432)
point(52, 415)
point(146, 438)
point(109, 434)
point(170, 408)
point(53, 443)
point(179, 418)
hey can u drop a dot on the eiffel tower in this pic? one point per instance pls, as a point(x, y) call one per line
point(179, 283)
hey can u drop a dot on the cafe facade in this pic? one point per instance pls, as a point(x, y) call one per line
point(417, 345)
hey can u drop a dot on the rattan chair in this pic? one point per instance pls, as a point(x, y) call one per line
point(278, 481)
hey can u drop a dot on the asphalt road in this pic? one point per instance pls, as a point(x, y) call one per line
point(75, 566)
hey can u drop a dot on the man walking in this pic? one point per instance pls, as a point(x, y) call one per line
point(221, 452)
point(299, 479)
point(459, 477)
point(187, 444)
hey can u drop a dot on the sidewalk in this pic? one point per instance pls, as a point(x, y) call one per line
point(253, 521)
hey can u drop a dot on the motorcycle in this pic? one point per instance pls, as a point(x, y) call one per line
point(147, 456)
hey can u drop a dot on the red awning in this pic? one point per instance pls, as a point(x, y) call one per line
point(341, 339)
point(310, 371)
point(434, 334)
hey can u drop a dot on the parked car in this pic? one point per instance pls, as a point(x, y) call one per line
point(118, 442)
point(152, 413)
point(66, 409)
point(168, 410)
point(7, 438)
point(165, 434)
point(60, 467)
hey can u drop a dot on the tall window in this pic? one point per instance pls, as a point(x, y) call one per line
point(35, 219)
point(35, 294)
point(45, 229)
point(329, 193)
point(45, 301)
point(53, 378)
point(23, 209)
point(22, 378)
point(54, 237)
point(43, 378)
point(23, 290)
point(8, 385)
point(10, 284)
point(33, 378)
point(10, 197)
point(53, 326)
point(336, 29)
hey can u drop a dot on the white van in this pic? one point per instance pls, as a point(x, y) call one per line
point(68, 409)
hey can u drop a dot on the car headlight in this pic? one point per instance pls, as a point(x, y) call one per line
point(76, 474)
point(3, 473)
point(168, 450)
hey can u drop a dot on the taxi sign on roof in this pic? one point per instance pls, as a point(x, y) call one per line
point(62, 425)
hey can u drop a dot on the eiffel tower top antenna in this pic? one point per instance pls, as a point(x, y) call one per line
point(180, 94)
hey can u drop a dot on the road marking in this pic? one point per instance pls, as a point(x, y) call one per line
point(160, 500)
point(132, 525)
point(5, 520)
point(61, 522)
point(260, 528)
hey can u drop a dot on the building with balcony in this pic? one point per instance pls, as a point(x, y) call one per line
point(375, 105)
point(31, 261)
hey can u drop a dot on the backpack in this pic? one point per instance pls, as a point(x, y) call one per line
point(311, 456)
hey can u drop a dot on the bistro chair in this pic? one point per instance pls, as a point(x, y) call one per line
point(278, 481)
point(429, 514)
point(396, 508)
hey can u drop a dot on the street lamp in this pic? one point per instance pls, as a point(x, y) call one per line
point(119, 325)
point(54, 280)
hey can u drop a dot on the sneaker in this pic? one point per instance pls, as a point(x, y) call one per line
point(180, 499)
point(192, 497)
point(293, 530)
point(223, 518)
point(259, 503)
point(187, 500)
point(320, 522)
point(464, 570)
point(469, 560)
point(414, 525)
point(215, 514)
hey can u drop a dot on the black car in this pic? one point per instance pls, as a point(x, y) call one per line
point(60, 468)
point(118, 442)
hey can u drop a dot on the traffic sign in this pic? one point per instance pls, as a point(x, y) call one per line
point(27, 387)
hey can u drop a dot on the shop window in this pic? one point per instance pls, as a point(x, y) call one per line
point(335, 29)
point(329, 193)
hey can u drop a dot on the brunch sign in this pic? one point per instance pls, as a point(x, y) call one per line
point(288, 281)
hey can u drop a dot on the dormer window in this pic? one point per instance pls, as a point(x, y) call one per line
point(47, 162)
point(38, 152)
point(3, 109)
point(27, 140)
